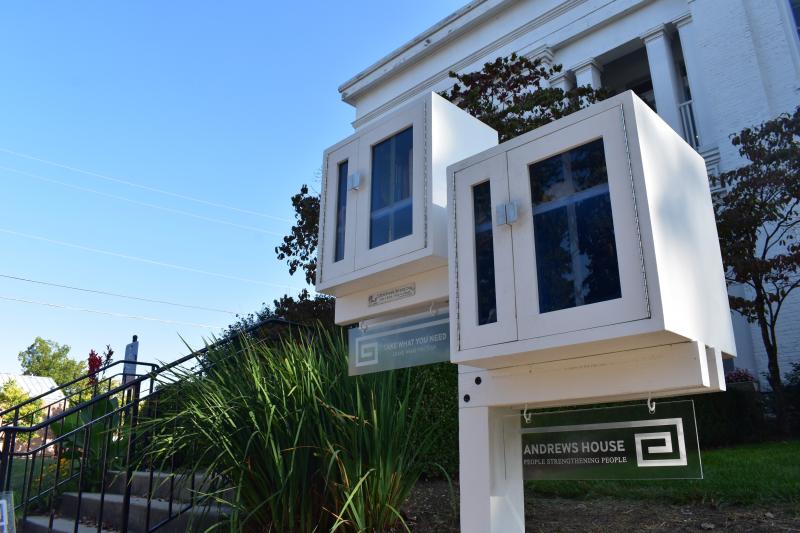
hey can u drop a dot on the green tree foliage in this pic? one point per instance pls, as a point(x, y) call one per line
point(757, 220)
point(50, 359)
point(11, 394)
point(510, 95)
point(299, 248)
point(303, 309)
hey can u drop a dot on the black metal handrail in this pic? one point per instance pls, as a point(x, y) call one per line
point(55, 456)
point(66, 386)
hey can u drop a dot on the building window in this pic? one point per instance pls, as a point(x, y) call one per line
point(484, 253)
point(341, 211)
point(390, 209)
point(576, 254)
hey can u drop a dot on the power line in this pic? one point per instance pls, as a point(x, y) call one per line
point(118, 295)
point(107, 313)
point(140, 186)
point(137, 202)
point(145, 260)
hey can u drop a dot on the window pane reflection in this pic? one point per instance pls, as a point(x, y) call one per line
point(484, 254)
point(341, 211)
point(390, 209)
point(576, 254)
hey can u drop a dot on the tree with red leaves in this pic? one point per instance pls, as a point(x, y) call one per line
point(758, 216)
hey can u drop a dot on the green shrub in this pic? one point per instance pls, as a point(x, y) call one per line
point(735, 416)
point(438, 418)
point(304, 446)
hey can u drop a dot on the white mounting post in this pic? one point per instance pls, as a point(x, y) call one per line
point(490, 458)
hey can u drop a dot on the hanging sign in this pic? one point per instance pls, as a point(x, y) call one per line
point(627, 442)
point(420, 340)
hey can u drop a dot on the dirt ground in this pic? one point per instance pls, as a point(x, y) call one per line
point(430, 509)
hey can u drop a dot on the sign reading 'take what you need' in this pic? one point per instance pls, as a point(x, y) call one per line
point(627, 442)
point(414, 341)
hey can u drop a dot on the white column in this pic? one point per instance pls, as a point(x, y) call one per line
point(588, 73)
point(700, 105)
point(562, 81)
point(490, 470)
point(666, 84)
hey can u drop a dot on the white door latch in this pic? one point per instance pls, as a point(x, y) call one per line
point(506, 213)
point(354, 181)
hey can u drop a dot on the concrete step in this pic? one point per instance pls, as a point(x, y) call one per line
point(41, 524)
point(198, 518)
point(162, 484)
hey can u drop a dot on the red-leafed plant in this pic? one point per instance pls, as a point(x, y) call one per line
point(739, 375)
point(96, 363)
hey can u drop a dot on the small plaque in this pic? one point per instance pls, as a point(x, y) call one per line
point(7, 522)
point(420, 340)
point(392, 295)
point(625, 442)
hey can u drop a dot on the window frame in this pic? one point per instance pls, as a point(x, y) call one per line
point(471, 334)
point(632, 305)
point(416, 117)
point(328, 267)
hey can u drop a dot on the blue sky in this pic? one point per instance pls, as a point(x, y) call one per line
point(229, 103)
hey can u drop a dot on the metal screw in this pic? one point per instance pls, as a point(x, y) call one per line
point(478, 380)
point(466, 397)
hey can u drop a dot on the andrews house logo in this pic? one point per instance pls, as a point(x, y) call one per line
point(612, 443)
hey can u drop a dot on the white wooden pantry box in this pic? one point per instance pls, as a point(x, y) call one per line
point(383, 214)
point(592, 235)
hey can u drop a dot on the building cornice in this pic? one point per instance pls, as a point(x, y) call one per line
point(584, 65)
point(456, 67)
point(658, 32)
point(422, 45)
point(683, 20)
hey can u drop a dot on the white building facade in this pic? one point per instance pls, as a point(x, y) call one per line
point(708, 67)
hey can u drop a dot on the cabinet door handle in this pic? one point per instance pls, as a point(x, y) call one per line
point(506, 213)
point(354, 181)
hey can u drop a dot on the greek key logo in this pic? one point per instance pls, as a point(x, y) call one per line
point(367, 354)
point(664, 446)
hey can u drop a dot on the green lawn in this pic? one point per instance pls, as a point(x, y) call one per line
point(763, 474)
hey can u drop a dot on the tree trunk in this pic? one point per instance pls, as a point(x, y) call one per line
point(768, 335)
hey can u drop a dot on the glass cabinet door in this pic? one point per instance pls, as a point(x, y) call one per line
point(484, 256)
point(339, 216)
point(392, 196)
point(577, 255)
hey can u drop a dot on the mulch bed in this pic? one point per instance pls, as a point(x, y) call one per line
point(430, 508)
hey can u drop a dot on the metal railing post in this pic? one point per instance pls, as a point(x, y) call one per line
point(126, 502)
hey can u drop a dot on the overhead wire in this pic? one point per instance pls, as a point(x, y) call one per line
point(141, 186)
point(137, 202)
point(115, 294)
point(145, 260)
point(107, 313)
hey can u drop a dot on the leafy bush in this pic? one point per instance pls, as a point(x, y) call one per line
point(439, 418)
point(304, 446)
point(107, 441)
point(735, 416)
point(11, 395)
point(793, 397)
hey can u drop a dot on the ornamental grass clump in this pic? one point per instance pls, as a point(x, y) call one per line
point(299, 444)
